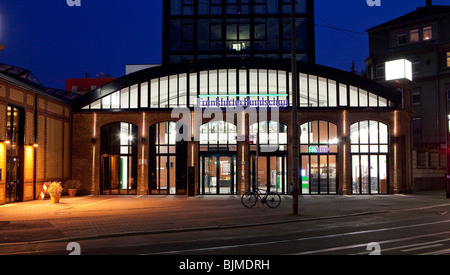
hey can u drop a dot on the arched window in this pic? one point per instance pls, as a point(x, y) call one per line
point(318, 155)
point(370, 150)
point(271, 158)
point(167, 160)
point(119, 158)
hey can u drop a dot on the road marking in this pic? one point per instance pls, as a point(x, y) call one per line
point(322, 237)
point(422, 247)
point(408, 246)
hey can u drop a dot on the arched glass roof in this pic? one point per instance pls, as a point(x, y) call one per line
point(238, 82)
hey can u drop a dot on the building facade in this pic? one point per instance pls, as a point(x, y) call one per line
point(204, 29)
point(423, 37)
point(219, 126)
point(35, 135)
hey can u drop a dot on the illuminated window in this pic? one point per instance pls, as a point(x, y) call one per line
point(448, 59)
point(414, 35)
point(369, 149)
point(427, 33)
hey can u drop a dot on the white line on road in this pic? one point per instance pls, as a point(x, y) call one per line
point(322, 237)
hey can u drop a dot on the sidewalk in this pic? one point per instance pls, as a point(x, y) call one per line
point(108, 216)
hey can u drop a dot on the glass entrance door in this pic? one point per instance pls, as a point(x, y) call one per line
point(117, 176)
point(12, 179)
point(319, 174)
point(218, 175)
point(272, 173)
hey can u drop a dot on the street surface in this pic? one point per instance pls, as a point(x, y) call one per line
point(338, 225)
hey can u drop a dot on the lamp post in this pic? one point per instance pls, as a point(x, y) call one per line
point(399, 74)
point(294, 120)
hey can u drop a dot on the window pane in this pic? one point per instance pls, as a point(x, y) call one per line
point(182, 90)
point(364, 132)
point(155, 93)
point(353, 96)
point(106, 102)
point(342, 95)
point(134, 96)
point(115, 100)
point(124, 99)
point(193, 89)
point(313, 100)
point(373, 100)
point(303, 90)
point(232, 83)
point(173, 91)
point(144, 95)
point(164, 92)
point(323, 92)
point(363, 99)
point(332, 93)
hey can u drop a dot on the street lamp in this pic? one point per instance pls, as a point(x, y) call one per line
point(399, 74)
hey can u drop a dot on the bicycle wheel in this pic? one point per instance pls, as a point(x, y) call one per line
point(273, 200)
point(249, 200)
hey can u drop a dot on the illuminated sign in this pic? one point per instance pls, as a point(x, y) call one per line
point(318, 150)
point(230, 101)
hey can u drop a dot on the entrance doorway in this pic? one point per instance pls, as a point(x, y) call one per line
point(14, 154)
point(119, 159)
point(218, 175)
point(12, 179)
point(319, 174)
point(117, 179)
point(272, 173)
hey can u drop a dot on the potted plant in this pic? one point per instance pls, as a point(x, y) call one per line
point(55, 190)
point(72, 187)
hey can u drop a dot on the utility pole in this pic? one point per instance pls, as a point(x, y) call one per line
point(294, 121)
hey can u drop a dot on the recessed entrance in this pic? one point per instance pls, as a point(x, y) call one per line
point(218, 175)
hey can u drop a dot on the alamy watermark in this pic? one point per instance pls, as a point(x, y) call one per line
point(73, 3)
point(374, 3)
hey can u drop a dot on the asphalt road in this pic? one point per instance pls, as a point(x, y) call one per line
point(420, 231)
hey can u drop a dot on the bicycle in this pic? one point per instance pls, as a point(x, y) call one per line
point(271, 199)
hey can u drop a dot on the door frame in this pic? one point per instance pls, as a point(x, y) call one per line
point(233, 170)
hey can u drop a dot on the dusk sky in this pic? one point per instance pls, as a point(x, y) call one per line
point(56, 41)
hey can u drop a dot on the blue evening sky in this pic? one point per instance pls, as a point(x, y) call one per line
point(56, 41)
